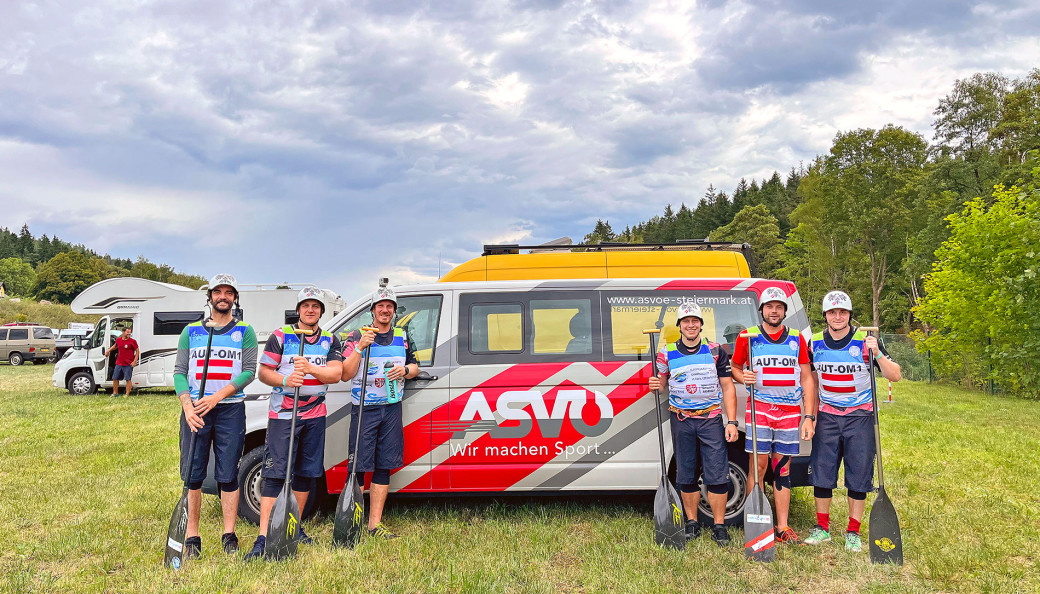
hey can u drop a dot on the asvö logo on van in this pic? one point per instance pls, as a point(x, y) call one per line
point(512, 406)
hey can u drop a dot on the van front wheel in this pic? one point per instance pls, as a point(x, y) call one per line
point(249, 481)
point(81, 384)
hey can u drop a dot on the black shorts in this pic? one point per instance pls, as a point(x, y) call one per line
point(225, 431)
point(382, 437)
point(848, 438)
point(309, 445)
point(700, 444)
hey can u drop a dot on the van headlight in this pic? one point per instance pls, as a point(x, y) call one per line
point(67, 354)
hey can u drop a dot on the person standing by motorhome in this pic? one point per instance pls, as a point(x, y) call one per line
point(845, 427)
point(284, 371)
point(219, 415)
point(785, 397)
point(697, 373)
point(382, 434)
point(127, 356)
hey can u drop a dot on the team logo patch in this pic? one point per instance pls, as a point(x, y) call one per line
point(680, 378)
point(380, 382)
point(854, 351)
point(236, 336)
point(324, 344)
point(691, 388)
point(793, 344)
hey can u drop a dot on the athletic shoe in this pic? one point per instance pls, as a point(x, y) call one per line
point(787, 536)
point(380, 531)
point(230, 542)
point(192, 547)
point(818, 536)
point(258, 548)
point(720, 535)
point(693, 529)
point(302, 538)
point(853, 544)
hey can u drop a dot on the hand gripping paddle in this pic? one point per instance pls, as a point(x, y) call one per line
point(759, 544)
point(350, 509)
point(668, 508)
point(285, 517)
point(886, 543)
point(178, 530)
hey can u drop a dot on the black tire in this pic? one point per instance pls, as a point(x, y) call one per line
point(15, 358)
point(737, 491)
point(81, 384)
point(249, 481)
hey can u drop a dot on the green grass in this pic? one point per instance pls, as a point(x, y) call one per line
point(87, 485)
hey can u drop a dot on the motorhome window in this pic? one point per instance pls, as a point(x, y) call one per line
point(562, 326)
point(3, 334)
point(496, 328)
point(42, 333)
point(18, 334)
point(98, 337)
point(170, 323)
point(420, 316)
point(726, 313)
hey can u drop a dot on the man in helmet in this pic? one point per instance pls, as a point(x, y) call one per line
point(283, 370)
point(785, 397)
point(382, 434)
point(845, 426)
point(219, 415)
point(697, 375)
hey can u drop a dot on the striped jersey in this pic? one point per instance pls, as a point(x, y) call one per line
point(395, 349)
point(282, 347)
point(693, 375)
point(776, 362)
point(232, 359)
point(844, 375)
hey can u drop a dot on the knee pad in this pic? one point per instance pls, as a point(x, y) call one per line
point(195, 486)
point(857, 495)
point(381, 476)
point(718, 489)
point(271, 487)
point(781, 482)
point(230, 486)
point(303, 484)
point(688, 488)
point(821, 493)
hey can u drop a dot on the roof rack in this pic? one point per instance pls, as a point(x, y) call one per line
point(680, 244)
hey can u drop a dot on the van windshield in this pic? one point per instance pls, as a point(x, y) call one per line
point(726, 314)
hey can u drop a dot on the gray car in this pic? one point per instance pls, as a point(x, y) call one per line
point(21, 342)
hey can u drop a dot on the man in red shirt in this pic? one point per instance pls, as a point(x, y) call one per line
point(784, 388)
point(126, 358)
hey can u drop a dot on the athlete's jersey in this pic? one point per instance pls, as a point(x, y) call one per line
point(844, 376)
point(282, 347)
point(693, 377)
point(395, 352)
point(776, 365)
point(232, 359)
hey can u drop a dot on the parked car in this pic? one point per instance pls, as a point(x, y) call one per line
point(20, 342)
point(65, 339)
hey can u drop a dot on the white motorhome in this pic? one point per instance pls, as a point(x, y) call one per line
point(158, 312)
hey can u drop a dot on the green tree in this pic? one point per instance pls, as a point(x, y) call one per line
point(982, 297)
point(756, 226)
point(600, 233)
point(18, 277)
point(66, 275)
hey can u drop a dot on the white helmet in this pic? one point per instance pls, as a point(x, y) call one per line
point(773, 294)
point(836, 300)
point(687, 309)
point(308, 293)
point(384, 294)
point(222, 279)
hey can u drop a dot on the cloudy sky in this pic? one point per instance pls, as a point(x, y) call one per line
point(334, 142)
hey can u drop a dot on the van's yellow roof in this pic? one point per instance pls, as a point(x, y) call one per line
point(603, 264)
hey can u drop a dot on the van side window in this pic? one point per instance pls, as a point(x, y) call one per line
point(496, 328)
point(170, 323)
point(18, 334)
point(42, 333)
point(3, 334)
point(562, 326)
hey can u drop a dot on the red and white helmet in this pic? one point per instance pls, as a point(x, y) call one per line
point(308, 293)
point(837, 300)
point(687, 309)
point(771, 294)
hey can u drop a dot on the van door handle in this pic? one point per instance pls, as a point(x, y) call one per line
point(424, 377)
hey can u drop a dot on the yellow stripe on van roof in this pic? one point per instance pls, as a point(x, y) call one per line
point(602, 264)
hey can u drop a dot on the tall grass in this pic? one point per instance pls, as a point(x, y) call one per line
point(87, 485)
point(54, 315)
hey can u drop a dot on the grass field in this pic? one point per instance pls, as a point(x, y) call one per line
point(87, 485)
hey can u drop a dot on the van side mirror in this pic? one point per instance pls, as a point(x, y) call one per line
point(77, 343)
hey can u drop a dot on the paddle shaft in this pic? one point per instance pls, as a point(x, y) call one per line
point(657, 402)
point(877, 425)
point(754, 426)
point(292, 424)
point(361, 411)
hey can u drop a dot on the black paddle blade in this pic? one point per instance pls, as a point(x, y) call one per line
point(350, 515)
point(284, 527)
point(886, 544)
point(669, 519)
point(759, 543)
point(177, 534)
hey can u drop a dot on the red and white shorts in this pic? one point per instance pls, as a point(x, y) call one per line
point(777, 427)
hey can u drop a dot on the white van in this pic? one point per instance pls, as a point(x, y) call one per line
point(536, 385)
point(158, 312)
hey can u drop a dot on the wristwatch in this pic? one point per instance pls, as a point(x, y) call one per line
point(731, 422)
point(811, 417)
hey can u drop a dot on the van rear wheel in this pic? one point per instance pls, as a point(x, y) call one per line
point(15, 358)
point(81, 384)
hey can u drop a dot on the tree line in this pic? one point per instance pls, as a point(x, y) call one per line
point(56, 270)
point(939, 238)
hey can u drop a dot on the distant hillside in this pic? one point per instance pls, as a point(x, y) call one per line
point(55, 315)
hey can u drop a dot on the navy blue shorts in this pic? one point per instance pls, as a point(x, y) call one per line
point(700, 444)
point(225, 431)
point(382, 437)
point(849, 438)
point(309, 445)
point(122, 372)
